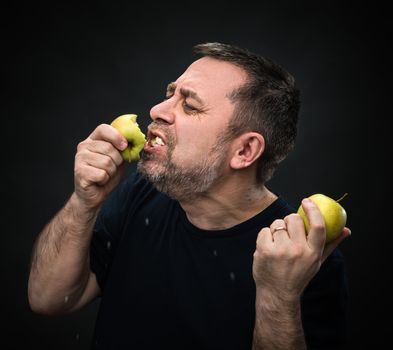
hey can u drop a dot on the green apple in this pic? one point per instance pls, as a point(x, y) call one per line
point(333, 213)
point(126, 124)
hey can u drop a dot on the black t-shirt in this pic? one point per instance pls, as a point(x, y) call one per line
point(167, 284)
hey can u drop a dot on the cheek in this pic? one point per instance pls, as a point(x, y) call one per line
point(192, 148)
point(194, 140)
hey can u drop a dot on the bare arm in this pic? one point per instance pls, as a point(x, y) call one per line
point(284, 263)
point(277, 324)
point(60, 279)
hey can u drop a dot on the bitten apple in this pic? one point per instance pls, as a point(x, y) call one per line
point(333, 213)
point(126, 124)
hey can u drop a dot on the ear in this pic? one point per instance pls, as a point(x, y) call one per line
point(248, 148)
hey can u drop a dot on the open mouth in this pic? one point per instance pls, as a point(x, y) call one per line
point(155, 139)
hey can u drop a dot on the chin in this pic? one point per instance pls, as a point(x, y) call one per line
point(150, 168)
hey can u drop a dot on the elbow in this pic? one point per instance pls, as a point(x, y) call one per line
point(39, 306)
point(41, 309)
point(40, 303)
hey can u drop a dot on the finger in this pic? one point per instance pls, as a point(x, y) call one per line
point(277, 225)
point(106, 132)
point(116, 178)
point(264, 238)
point(278, 230)
point(106, 148)
point(296, 228)
point(104, 162)
point(317, 232)
point(88, 153)
point(93, 175)
point(329, 247)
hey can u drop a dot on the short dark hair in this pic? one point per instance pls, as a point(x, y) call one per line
point(268, 103)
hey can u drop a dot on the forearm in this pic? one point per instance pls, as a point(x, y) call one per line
point(278, 324)
point(59, 270)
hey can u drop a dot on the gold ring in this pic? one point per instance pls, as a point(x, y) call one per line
point(278, 229)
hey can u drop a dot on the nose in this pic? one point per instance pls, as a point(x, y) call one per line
point(163, 112)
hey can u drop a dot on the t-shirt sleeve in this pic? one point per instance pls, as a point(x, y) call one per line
point(325, 306)
point(108, 228)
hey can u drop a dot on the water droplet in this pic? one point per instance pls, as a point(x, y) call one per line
point(147, 221)
point(66, 299)
point(108, 244)
point(215, 252)
point(232, 276)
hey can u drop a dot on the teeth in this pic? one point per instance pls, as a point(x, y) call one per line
point(157, 141)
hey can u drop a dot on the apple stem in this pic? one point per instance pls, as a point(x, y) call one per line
point(342, 197)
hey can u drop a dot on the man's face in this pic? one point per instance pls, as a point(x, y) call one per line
point(189, 155)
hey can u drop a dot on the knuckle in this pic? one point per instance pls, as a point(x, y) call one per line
point(262, 251)
point(277, 222)
point(102, 175)
point(81, 145)
point(102, 127)
point(77, 170)
point(83, 184)
point(107, 163)
point(297, 251)
point(320, 226)
point(296, 217)
point(80, 152)
point(106, 147)
point(278, 254)
point(259, 246)
point(293, 217)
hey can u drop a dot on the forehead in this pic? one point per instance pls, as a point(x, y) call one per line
point(212, 78)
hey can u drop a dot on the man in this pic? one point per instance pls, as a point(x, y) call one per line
point(194, 251)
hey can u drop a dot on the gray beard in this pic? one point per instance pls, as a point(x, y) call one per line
point(186, 184)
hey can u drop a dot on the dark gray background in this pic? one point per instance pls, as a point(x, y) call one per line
point(66, 68)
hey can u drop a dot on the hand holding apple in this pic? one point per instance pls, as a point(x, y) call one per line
point(333, 213)
point(126, 124)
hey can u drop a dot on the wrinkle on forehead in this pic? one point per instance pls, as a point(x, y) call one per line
point(209, 76)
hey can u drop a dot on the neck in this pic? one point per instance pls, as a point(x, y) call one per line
point(227, 205)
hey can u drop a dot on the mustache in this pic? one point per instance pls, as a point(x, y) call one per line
point(163, 128)
point(158, 124)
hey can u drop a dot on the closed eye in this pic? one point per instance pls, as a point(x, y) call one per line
point(189, 108)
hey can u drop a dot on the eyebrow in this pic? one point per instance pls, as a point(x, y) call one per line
point(184, 92)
